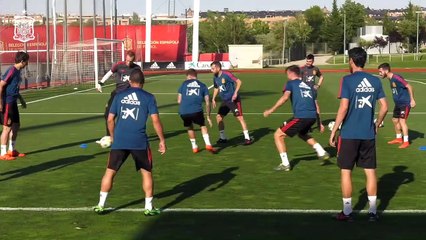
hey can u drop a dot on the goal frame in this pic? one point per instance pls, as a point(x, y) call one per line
point(95, 57)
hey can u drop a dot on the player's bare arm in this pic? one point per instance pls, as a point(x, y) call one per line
point(411, 92)
point(320, 80)
point(283, 99)
point(179, 98)
point(158, 126)
point(341, 115)
point(22, 101)
point(215, 92)
point(2, 84)
point(208, 110)
point(237, 89)
point(111, 125)
point(382, 113)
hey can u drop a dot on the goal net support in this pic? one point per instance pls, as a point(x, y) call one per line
point(85, 63)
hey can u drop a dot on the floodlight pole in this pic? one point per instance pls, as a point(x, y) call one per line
point(344, 37)
point(47, 38)
point(284, 41)
point(148, 30)
point(418, 28)
point(55, 49)
point(196, 32)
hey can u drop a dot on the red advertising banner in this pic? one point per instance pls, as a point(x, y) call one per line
point(168, 43)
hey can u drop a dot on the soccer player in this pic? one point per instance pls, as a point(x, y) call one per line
point(403, 96)
point(228, 86)
point(9, 92)
point(191, 95)
point(304, 109)
point(127, 124)
point(122, 72)
point(309, 74)
point(358, 95)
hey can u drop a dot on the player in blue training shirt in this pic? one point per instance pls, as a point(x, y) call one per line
point(191, 95)
point(127, 119)
point(10, 119)
point(227, 86)
point(305, 116)
point(403, 96)
point(358, 95)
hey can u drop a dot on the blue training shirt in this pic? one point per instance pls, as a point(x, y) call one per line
point(302, 99)
point(226, 83)
point(362, 90)
point(132, 108)
point(13, 80)
point(399, 90)
point(193, 93)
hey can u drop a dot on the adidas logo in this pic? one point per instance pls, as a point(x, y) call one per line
point(171, 66)
point(131, 99)
point(304, 85)
point(365, 86)
point(155, 66)
point(193, 84)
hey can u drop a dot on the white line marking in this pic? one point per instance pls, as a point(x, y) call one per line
point(164, 93)
point(212, 210)
point(169, 113)
point(420, 82)
point(211, 87)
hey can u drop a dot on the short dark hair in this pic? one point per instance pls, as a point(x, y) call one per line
point(21, 57)
point(216, 64)
point(310, 57)
point(191, 72)
point(137, 76)
point(385, 66)
point(358, 56)
point(131, 53)
point(293, 69)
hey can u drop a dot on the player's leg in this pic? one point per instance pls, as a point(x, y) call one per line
point(237, 109)
point(279, 137)
point(143, 163)
point(7, 128)
point(397, 126)
point(107, 108)
point(319, 122)
point(201, 121)
point(347, 156)
point(223, 111)
point(13, 136)
point(191, 135)
point(404, 127)
point(367, 161)
point(115, 161)
point(305, 126)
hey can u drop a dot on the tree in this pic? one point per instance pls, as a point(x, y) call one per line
point(389, 26)
point(369, 21)
point(355, 18)
point(298, 30)
point(380, 43)
point(259, 27)
point(366, 44)
point(333, 29)
point(316, 19)
point(135, 19)
point(408, 26)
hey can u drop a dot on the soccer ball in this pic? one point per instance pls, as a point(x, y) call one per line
point(331, 125)
point(105, 142)
point(380, 125)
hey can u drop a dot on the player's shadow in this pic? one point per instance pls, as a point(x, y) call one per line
point(191, 188)
point(58, 147)
point(167, 135)
point(61, 123)
point(387, 186)
point(250, 94)
point(415, 134)
point(257, 134)
point(47, 166)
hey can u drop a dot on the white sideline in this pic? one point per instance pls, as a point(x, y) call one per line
point(173, 113)
point(201, 210)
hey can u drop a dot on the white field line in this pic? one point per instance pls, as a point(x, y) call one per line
point(194, 210)
point(169, 113)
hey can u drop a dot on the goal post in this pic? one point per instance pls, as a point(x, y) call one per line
point(85, 63)
point(114, 58)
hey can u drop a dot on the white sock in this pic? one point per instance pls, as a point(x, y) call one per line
point(319, 149)
point(372, 201)
point(222, 134)
point(193, 143)
point(284, 159)
point(207, 139)
point(246, 134)
point(405, 138)
point(347, 206)
point(102, 198)
point(398, 135)
point(12, 145)
point(148, 203)
point(3, 150)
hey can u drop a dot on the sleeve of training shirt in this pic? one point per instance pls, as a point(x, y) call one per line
point(288, 87)
point(205, 90)
point(380, 92)
point(318, 72)
point(214, 83)
point(152, 106)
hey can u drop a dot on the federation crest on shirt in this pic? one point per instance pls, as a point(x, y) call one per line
point(24, 28)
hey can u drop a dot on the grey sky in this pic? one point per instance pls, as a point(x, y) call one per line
point(160, 6)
